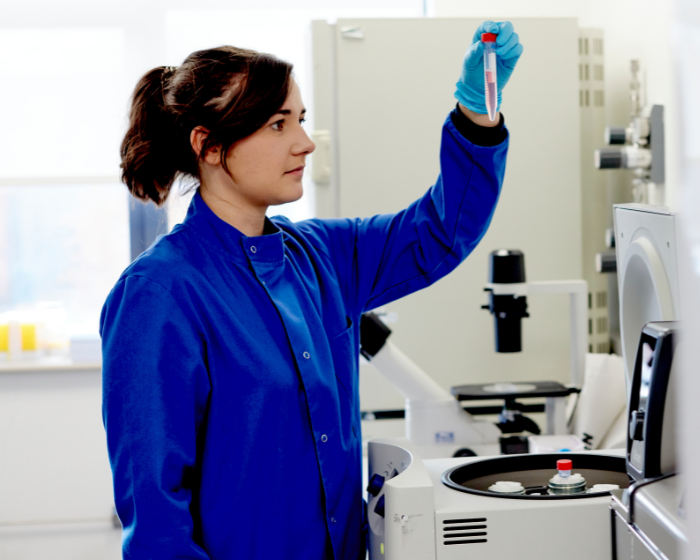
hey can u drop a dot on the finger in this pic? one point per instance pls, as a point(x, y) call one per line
point(505, 32)
point(514, 39)
point(512, 56)
point(475, 56)
point(486, 27)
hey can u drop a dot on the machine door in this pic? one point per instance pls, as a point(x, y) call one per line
point(647, 269)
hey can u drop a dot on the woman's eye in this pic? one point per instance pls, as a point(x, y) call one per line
point(279, 125)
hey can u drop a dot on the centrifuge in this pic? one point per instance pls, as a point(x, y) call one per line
point(449, 509)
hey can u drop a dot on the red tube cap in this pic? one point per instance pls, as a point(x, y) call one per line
point(488, 37)
point(564, 464)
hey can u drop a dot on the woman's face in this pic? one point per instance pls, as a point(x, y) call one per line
point(267, 167)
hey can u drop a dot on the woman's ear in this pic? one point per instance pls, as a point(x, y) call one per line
point(197, 138)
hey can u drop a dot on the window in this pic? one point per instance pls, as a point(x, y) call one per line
point(63, 103)
point(64, 217)
point(63, 243)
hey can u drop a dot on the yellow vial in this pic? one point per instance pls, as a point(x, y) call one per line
point(29, 337)
point(4, 338)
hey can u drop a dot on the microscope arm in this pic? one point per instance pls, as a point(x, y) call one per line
point(410, 380)
point(433, 416)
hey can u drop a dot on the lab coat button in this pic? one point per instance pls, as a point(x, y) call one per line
point(307, 355)
point(324, 438)
point(333, 520)
point(253, 249)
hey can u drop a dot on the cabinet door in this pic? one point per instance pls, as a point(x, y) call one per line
point(383, 88)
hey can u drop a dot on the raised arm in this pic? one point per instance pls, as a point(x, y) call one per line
point(386, 257)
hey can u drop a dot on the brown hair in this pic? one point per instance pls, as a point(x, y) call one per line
point(229, 91)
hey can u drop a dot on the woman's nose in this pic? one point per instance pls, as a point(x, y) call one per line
point(307, 145)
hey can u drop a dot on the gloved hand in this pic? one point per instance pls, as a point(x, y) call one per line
point(470, 87)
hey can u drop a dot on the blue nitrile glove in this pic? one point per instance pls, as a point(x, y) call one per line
point(470, 87)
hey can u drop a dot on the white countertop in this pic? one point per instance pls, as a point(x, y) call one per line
point(47, 365)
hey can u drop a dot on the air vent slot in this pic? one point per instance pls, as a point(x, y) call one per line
point(464, 531)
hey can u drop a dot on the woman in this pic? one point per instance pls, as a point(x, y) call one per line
point(230, 346)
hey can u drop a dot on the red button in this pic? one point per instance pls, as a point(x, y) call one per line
point(564, 464)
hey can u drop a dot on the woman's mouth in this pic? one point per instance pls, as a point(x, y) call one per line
point(298, 171)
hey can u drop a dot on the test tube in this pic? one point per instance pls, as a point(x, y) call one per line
point(490, 77)
point(564, 467)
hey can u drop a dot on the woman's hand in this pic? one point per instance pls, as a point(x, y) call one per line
point(470, 87)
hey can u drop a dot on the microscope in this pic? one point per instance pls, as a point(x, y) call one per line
point(508, 290)
point(436, 419)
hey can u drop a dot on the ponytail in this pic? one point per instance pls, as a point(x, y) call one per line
point(147, 167)
point(229, 91)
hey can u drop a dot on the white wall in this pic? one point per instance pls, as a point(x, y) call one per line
point(687, 59)
point(634, 29)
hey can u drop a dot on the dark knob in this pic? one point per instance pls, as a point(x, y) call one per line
point(379, 508)
point(609, 158)
point(637, 425)
point(375, 484)
point(606, 262)
point(615, 135)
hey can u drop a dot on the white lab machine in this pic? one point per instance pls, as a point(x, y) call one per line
point(446, 509)
point(647, 268)
point(441, 509)
point(648, 519)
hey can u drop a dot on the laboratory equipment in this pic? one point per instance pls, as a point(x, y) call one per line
point(564, 482)
point(555, 444)
point(648, 518)
point(652, 426)
point(649, 521)
point(639, 146)
point(435, 421)
point(646, 245)
point(490, 74)
point(508, 289)
point(435, 508)
point(511, 418)
point(448, 509)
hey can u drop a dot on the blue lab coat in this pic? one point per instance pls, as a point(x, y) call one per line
point(230, 390)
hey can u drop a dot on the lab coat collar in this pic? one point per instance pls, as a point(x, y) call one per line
point(216, 233)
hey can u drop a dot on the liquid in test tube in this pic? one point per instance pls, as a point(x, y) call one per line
point(490, 76)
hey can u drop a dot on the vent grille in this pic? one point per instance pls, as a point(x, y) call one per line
point(464, 531)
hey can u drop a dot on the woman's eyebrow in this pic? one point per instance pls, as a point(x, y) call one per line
point(288, 112)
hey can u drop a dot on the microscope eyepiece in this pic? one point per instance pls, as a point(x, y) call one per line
point(506, 266)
